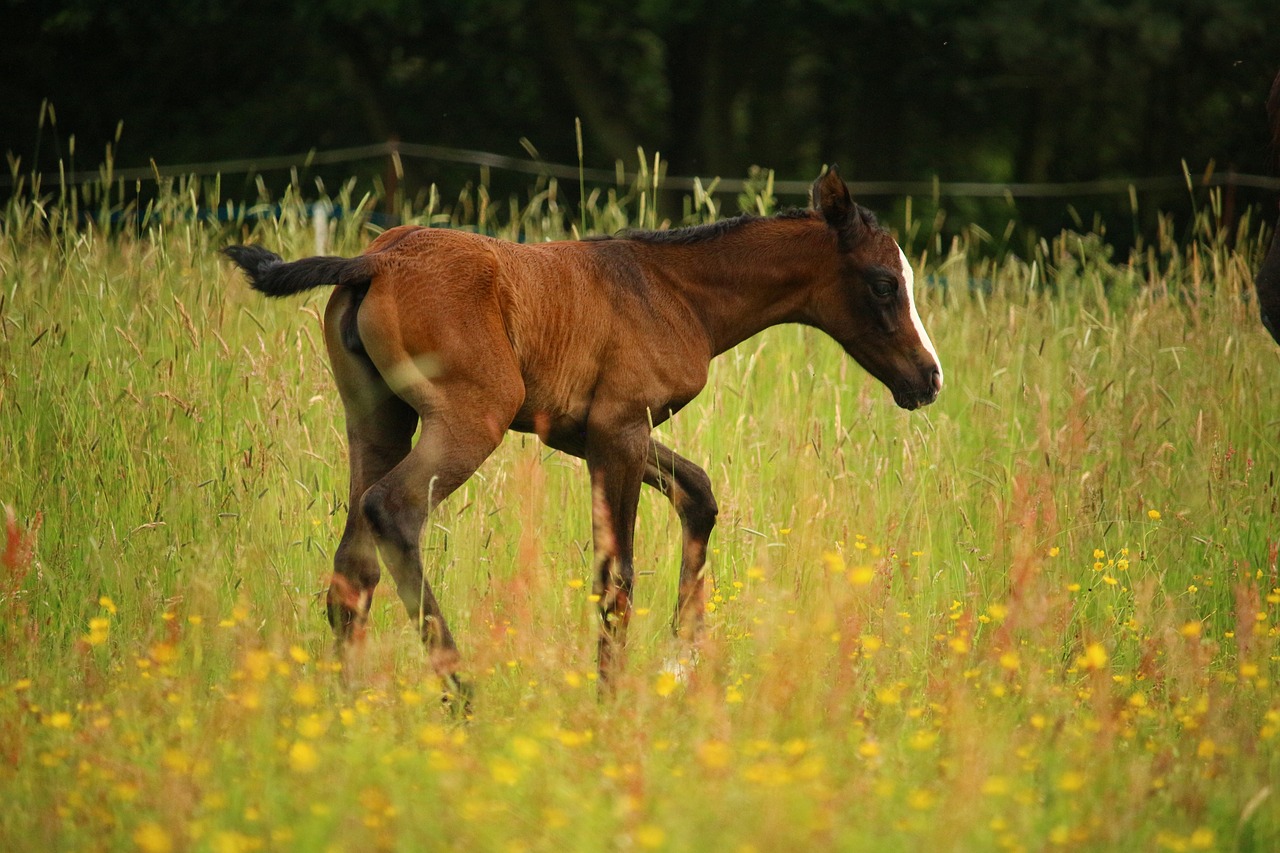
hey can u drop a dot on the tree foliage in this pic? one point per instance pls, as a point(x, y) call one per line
point(1024, 90)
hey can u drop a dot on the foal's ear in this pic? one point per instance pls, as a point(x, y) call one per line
point(831, 196)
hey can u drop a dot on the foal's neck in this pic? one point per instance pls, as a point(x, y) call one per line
point(755, 275)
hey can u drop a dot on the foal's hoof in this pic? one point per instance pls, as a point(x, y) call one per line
point(457, 697)
point(681, 666)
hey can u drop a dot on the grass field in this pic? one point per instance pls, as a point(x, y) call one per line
point(1039, 614)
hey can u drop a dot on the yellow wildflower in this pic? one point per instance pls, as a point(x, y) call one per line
point(1202, 839)
point(258, 663)
point(504, 772)
point(312, 726)
point(1094, 657)
point(525, 748)
point(650, 837)
point(305, 694)
point(714, 754)
point(995, 786)
point(861, 575)
point(99, 628)
point(152, 838)
point(666, 683)
point(1071, 781)
point(303, 757)
point(921, 800)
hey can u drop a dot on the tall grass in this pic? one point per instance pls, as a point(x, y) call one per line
point(1039, 613)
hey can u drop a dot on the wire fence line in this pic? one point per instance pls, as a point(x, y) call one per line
point(394, 151)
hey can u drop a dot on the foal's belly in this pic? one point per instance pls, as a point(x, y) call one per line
point(566, 411)
point(546, 422)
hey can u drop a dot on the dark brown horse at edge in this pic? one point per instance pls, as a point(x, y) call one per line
point(588, 344)
point(1268, 280)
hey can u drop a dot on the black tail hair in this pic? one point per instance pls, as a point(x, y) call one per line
point(268, 273)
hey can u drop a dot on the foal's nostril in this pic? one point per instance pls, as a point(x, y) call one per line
point(935, 376)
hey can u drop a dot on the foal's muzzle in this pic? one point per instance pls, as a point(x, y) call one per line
point(919, 394)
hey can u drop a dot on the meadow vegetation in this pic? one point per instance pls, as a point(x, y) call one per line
point(1039, 614)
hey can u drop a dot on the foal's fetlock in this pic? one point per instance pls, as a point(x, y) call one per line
point(346, 604)
point(456, 697)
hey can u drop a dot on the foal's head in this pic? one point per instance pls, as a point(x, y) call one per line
point(870, 307)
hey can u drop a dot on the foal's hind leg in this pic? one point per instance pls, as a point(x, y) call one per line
point(689, 489)
point(379, 430)
point(375, 447)
point(461, 426)
point(377, 440)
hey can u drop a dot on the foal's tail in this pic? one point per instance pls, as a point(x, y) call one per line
point(268, 273)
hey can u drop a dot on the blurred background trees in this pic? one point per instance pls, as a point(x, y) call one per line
point(981, 90)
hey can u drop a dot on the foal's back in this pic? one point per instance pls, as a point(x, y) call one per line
point(575, 314)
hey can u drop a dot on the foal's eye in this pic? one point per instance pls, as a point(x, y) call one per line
point(884, 287)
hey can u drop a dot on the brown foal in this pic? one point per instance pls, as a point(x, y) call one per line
point(589, 344)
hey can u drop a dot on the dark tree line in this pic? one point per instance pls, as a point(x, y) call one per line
point(1023, 90)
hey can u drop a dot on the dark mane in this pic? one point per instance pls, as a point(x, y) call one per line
point(702, 233)
point(694, 234)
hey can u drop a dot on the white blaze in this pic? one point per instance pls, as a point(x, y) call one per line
point(909, 275)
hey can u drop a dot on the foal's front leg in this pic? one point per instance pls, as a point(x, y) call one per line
point(616, 462)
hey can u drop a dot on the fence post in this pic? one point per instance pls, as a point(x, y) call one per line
point(320, 224)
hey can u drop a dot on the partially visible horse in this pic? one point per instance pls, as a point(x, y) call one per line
point(590, 344)
point(1268, 280)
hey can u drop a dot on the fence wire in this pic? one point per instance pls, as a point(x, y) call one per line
point(438, 153)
